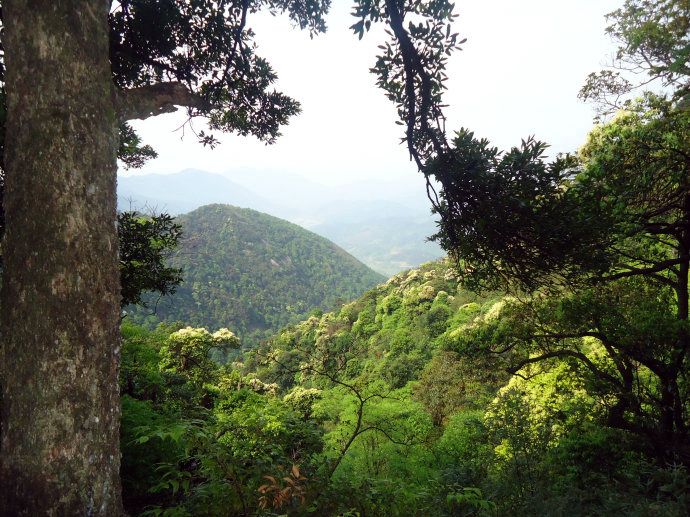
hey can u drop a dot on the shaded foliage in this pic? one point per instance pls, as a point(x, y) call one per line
point(146, 242)
point(595, 227)
point(623, 213)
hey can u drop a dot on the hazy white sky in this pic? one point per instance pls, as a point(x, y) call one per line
point(518, 74)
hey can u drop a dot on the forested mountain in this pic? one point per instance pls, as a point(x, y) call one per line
point(383, 224)
point(254, 273)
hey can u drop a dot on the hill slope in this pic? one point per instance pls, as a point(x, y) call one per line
point(255, 273)
point(391, 333)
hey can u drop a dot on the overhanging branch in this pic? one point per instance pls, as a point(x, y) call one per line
point(156, 99)
point(647, 271)
point(419, 111)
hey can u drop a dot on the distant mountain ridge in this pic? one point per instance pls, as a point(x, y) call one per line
point(184, 191)
point(255, 273)
point(383, 224)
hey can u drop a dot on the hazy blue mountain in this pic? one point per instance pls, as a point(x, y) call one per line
point(291, 196)
point(388, 245)
point(255, 273)
point(185, 191)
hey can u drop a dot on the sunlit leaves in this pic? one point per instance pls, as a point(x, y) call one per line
point(653, 38)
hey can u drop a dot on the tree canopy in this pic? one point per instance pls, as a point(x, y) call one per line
point(594, 245)
point(653, 50)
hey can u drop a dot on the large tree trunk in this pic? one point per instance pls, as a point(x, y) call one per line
point(60, 293)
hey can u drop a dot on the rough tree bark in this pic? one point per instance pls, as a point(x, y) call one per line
point(60, 293)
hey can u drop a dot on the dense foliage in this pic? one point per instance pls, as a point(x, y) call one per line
point(254, 273)
point(596, 245)
point(377, 409)
point(146, 242)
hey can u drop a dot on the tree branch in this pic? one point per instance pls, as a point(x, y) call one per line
point(633, 271)
point(566, 353)
point(155, 99)
point(414, 68)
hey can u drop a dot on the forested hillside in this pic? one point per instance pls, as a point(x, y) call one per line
point(253, 273)
point(382, 408)
point(395, 328)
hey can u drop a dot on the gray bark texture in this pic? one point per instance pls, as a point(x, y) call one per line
point(59, 318)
